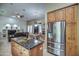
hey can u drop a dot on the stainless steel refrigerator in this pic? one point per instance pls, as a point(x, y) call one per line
point(56, 38)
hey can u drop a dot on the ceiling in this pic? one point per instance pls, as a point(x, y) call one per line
point(29, 11)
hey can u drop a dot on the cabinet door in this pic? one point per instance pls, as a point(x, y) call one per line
point(40, 50)
point(60, 14)
point(37, 51)
point(25, 52)
point(51, 17)
point(14, 51)
point(14, 48)
point(33, 52)
point(68, 39)
point(74, 39)
point(71, 31)
point(71, 39)
point(71, 13)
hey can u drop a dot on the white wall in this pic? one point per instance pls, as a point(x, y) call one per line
point(12, 21)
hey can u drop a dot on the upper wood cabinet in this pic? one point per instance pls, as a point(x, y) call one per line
point(56, 16)
point(60, 14)
point(51, 17)
point(71, 14)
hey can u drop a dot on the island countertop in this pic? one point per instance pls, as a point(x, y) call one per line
point(28, 44)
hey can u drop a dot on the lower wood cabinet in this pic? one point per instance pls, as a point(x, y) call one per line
point(37, 51)
point(18, 50)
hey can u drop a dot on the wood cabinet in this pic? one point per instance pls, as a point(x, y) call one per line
point(71, 39)
point(71, 30)
point(60, 15)
point(69, 14)
point(74, 39)
point(18, 50)
point(56, 16)
point(68, 38)
point(37, 51)
point(51, 17)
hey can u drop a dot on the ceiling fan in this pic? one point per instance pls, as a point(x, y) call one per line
point(20, 16)
point(17, 15)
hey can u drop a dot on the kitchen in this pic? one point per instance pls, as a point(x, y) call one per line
point(22, 29)
point(39, 29)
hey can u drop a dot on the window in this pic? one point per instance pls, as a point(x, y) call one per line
point(30, 28)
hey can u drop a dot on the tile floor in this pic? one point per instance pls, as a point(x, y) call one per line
point(5, 48)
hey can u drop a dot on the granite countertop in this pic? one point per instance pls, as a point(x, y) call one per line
point(28, 44)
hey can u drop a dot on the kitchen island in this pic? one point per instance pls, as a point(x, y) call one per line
point(23, 47)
